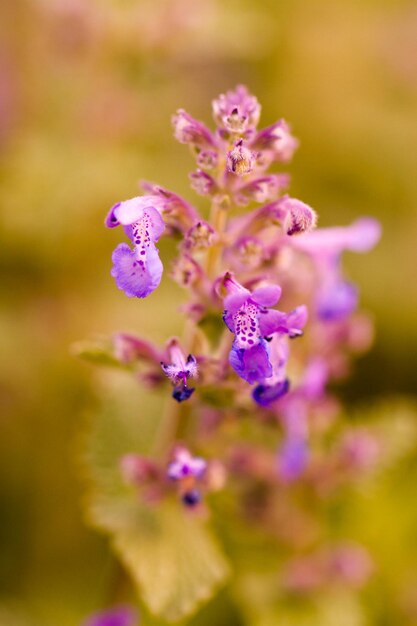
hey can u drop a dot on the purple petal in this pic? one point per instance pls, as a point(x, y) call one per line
point(337, 301)
point(252, 365)
point(116, 616)
point(360, 236)
point(292, 459)
point(132, 210)
point(296, 320)
point(365, 234)
point(111, 220)
point(234, 302)
point(277, 322)
point(264, 395)
point(266, 296)
point(136, 277)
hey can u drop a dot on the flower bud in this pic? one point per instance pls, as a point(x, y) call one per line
point(207, 159)
point(202, 183)
point(240, 160)
point(190, 131)
point(298, 217)
point(200, 236)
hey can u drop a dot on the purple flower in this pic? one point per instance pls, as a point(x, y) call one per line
point(336, 299)
point(292, 458)
point(184, 465)
point(237, 111)
point(262, 189)
point(277, 141)
point(202, 183)
point(178, 213)
point(360, 236)
point(247, 315)
point(116, 616)
point(297, 217)
point(277, 385)
point(138, 272)
point(190, 131)
point(179, 370)
point(240, 160)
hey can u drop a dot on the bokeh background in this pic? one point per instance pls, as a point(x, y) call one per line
point(87, 88)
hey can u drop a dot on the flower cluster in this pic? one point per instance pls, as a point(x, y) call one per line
point(251, 383)
point(236, 267)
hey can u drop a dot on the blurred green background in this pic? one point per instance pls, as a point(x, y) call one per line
point(87, 89)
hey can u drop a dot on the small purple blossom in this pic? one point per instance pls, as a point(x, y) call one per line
point(190, 131)
point(251, 320)
point(277, 385)
point(297, 217)
point(184, 465)
point(203, 183)
point(336, 299)
point(237, 111)
point(178, 370)
point(240, 160)
point(277, 141)
point(292, 458)
point(116, 616)
point(137, 272)
point(263, 189)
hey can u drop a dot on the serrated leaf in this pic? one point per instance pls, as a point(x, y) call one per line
point(173, 559)
point(171, 554)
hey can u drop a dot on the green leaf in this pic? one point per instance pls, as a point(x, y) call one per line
point(170, 553)
point(173, 559)
point(98, 352)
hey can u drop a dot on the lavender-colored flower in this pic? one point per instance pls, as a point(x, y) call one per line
point(179, 369)
point(277, 385)
point(116, 616)
point(248, 316)
point(207, 159)
point(137, 272)
point(237, 111)
point(202, 183)
point(190, 131)
point(184, 465)
point(292, 458)
point(240, 160)
point(200, 236)
point(360, 236)
point(296, 216)
point(336, 299)
point(277, 141)
point(177, 212)
point(263, 189)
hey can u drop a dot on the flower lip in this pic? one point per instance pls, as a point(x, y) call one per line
point(264, 395)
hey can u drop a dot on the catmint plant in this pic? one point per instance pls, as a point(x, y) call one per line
point(271, 322)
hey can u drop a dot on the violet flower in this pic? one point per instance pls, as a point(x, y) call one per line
point(137, 272)
point(336, 298)
point(292, 458)
point(179, 370)
point(187, 471)
point(277, 141)
point(185, 465)
point(237, 111)
point(240, 160)
point(190, 131)
point(249, 317)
